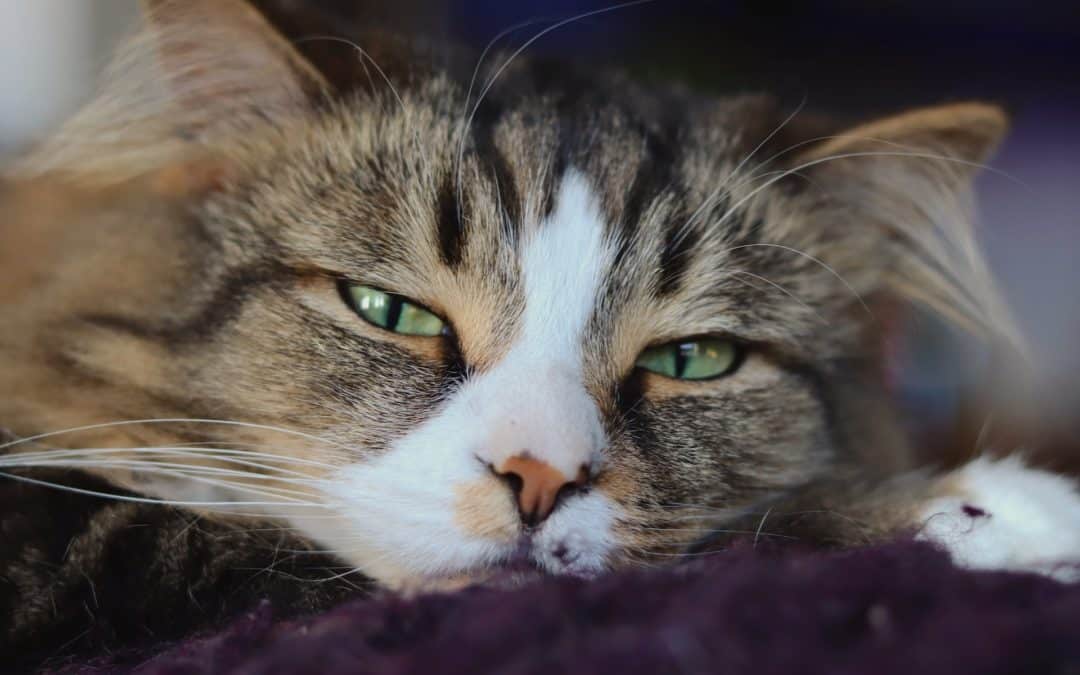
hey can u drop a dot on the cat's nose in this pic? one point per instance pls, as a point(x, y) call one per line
point(537, 485)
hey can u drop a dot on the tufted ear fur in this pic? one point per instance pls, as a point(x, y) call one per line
point(194, 72)
point(197, 39)
point(910, 175)
point(966, 132)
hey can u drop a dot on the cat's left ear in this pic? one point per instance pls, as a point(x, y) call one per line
point(896, 196)
point(949, 139)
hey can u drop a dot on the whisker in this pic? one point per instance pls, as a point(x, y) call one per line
point(217, 454)
point(825, 266)
point(706, 531)
point(820, 160)
point(153, 466)
point(364, 57)
point(711, 199)
point(702, 554)
point(761, 525)
point(528, 43)
point(147, 500)
point(782, 290)
point(175, 420)
point(465, 106)
point(903, 146)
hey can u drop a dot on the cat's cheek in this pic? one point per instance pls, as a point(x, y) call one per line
point(397, 518)
point(484, 508)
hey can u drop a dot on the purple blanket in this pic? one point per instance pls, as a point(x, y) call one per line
point(901, 608)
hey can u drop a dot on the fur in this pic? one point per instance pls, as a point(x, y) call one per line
point(203, 211)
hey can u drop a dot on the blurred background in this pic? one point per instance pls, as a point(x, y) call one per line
point(856, 57)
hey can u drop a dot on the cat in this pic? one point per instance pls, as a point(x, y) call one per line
point(441, 325)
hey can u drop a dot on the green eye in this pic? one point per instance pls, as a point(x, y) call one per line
point(392, 312)
point(703, 359)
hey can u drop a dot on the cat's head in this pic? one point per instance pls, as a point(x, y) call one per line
point(550, 314)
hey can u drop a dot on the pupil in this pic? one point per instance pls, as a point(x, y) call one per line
point(393, 312)
point(681, 357)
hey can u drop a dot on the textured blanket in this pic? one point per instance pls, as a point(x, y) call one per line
point(901, 608)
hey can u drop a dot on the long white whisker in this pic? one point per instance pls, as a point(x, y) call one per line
point(176, 471)
point(174, 420)
point(150, 466)
point(528, 43)
point(148, 500)
point(904, 146)
point(364, 56)
point(782, 290)
point(237, 457)
point(462, 126)
point(820, 160)
point(824, 266)
point(715, 193)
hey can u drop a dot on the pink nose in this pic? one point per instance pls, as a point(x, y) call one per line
point(538, 485)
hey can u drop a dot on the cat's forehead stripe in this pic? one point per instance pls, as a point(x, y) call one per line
point(450, 223)
point(635, 165)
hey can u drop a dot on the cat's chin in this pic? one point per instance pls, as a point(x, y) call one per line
point(509, 575)
point(521, 568)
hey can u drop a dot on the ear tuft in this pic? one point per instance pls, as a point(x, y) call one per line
point(909, 177)
point(968, 132)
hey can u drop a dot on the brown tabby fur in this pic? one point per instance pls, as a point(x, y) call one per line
point(173, 251)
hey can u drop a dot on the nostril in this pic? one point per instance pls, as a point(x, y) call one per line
point(537, 486)
point(568, 490)
point(579, 486)
point(515, 482)
point(583, 475)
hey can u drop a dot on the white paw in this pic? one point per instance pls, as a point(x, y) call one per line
point(1004, 515)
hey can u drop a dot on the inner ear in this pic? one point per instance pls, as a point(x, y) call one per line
point(896, 194)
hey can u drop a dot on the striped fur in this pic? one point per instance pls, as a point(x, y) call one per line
point(204, 208)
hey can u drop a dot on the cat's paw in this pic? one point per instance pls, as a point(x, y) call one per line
point(1001, 514)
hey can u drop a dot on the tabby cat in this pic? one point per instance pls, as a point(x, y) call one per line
point(278, 310)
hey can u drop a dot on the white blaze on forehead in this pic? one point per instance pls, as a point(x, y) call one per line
point(402, 505)
point(562, 265)
point(535, 399)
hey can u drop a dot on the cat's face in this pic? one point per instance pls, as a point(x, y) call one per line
point(575, 330)
point(548, 305)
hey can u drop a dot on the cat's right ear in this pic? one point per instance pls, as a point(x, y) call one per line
point(193, 73)
point(215, 54)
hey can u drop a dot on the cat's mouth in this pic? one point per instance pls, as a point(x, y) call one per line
point(519, 568)
point(533, 559)
point(530, 561)
point(445, 549)
point(513, 575)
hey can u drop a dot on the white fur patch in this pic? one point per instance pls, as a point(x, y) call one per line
point(577, 538)
point(398, 519)
point(1005, 515)
point(534, 399)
